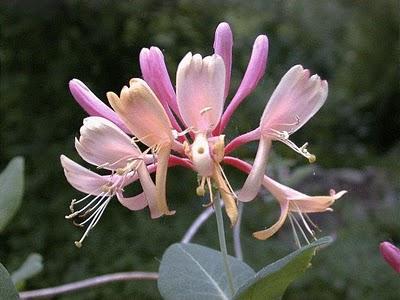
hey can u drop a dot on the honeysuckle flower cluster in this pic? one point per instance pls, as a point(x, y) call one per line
point(152, 127)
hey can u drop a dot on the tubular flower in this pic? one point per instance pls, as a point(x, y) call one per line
point(293, 204)
point(185, 127)
point(295, 100)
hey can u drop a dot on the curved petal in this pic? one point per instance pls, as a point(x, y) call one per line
point(253, 182)
point(137, 202)
point(266, 233)
point(254, 73)
point(142, 113)
point(155, 73)
point(313, 204)
point(83, 179)
point(104, 144)
point(223, 43)
point(93, 105)
point(149, 190)
point(229, 201)
point(295, 100)
point(200, 85)
point(161, 179)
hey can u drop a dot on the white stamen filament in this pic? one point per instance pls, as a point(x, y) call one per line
point(304, 221)
point(95, 219)
point(283, 136)
point(296, 237)
point(227, 182)
point(74, 214)
point(301, 229)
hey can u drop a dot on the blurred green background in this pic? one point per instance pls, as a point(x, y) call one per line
point(356, 135)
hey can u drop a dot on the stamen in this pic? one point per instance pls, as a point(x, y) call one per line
point(205, 109)
point(296, 237)
point(311, 222)
point(177, 134)
point(304, 221)
point(74, 214)
point(283, 136)
point(301, 229)
point(227, 182)
point(95, 217)
point(200, 190)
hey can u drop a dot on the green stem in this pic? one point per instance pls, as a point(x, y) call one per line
point(222, 243)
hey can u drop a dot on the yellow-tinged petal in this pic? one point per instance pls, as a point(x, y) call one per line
point(227, 197)
point(313, 204)
point(265, 234)
point(149, 190)
point(161, 179)
point(142, 113)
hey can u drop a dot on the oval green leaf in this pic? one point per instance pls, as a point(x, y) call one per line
point(11, 190)
point(190, 271)
point(272, 281)
point(7, 289)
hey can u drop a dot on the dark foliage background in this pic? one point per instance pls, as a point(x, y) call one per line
point(353, 44)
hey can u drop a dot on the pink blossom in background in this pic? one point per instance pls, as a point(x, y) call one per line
point(391, 254)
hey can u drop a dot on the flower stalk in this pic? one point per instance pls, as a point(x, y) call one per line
point(222, 244)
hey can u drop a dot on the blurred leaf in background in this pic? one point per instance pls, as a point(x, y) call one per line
point(11, 190)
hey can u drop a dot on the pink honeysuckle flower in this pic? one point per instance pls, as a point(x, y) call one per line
point(186, 128)
point(391, 254)
point(291, 202)
point(295, 100)
point(106, 146)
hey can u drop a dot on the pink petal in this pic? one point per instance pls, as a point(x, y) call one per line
point(299, 202)
point(104, 144)
point(267, 233)
point(81, 178)
point(93, 105)
point(281, 192)
point(254, 73)
point(253, 182)
point(223, 43)
point(137, 202)
point(156, 75)
point(391, 254)
point(142, 113)
point(200, 85)
point(295, 100)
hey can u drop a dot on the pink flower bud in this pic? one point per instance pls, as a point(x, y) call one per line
point(391, 254)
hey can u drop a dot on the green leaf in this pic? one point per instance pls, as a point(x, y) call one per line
point(190, 271)
point(11, 190)
point(272, 281)
point(7, 288)
point(31, 266)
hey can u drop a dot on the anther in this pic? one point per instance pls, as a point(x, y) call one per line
point(205, 109)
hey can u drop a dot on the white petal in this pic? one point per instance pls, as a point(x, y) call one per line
point(102, 143)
